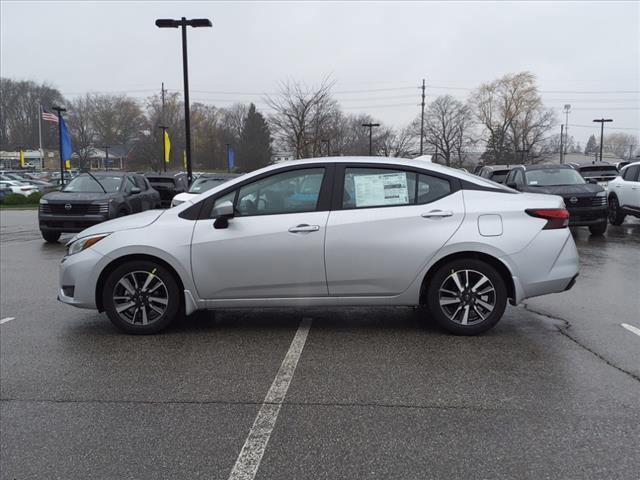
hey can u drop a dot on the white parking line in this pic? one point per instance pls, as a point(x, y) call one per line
point(250, 457)
point(631, 328)
point(8, 319)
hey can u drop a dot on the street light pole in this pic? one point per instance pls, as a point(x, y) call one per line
point(602, 121)
point(422, 119)
point(567, 110)
point(60, 110)
point(370, 125)
point(184, 23)
point(106, 158)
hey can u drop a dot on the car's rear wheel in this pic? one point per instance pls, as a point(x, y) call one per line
point(467, 296)
point(616, 215)
point(49, 236)
point(141, 297)
point(598, 229)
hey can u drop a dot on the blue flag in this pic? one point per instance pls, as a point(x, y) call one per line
point(66, 149)
point(231, 158)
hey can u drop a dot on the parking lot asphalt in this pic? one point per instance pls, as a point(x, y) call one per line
point(552, 392)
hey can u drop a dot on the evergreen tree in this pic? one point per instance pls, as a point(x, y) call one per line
point(592, 146)
point(254, 148)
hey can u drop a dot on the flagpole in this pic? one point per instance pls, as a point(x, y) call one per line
point(40, 136)
point(60, 110)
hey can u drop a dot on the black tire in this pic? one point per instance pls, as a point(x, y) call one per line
point(615, 213)
point(140, 269)
point(598, 229)
point(50, 237)
point(122, 213)
point(480, 319)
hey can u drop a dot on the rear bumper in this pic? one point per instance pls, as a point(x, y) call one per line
point(583, 217)
point(68, 223)
point(549, 264)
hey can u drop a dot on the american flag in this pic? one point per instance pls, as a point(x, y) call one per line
point(48, 116)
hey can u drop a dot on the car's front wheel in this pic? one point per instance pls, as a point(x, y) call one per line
point(616, 215)
point(598, 229)
point(49, 236)
point(141, 297)
point(467, 296)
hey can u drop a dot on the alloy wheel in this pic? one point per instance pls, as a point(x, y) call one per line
point(140, 297)
point(467, 297)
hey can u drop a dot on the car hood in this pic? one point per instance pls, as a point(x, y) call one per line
point(137, 220)
point(78, 196)
point(564, 190)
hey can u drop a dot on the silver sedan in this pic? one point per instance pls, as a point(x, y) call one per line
point(329, 232)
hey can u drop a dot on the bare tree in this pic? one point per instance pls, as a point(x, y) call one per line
point(302, 115)
point(80, 113)
point(448, 129)
point(396, 143)
point(513, 116)
point(622, 145)
point(117, 119)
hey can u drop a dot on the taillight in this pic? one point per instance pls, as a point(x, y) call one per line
point(555, 217)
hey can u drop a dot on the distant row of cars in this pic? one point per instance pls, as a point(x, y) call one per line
point(94, 197)
point(593, 193)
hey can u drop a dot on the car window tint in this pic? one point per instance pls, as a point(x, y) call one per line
point(377, 187)
point(432, 188)
point(287, 192)
point(128, 185)
point(139, 181)
point(631, 173)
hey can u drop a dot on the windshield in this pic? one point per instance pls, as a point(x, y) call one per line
point(499, 176)
point(549, 177)
point(204, 184)
point(85, 183)
point(589, 172)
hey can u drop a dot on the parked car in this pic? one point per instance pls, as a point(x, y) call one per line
point(18, 187)
point(495, 173)
point(328, 232)
point(4, 191)
point(598, 172)
point(168, 185)
point(89, 199)
point(586, 202)
point(40, 185)
point(204, 182)
point(624, 194)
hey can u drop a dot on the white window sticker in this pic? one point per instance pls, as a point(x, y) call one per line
point(381, 189)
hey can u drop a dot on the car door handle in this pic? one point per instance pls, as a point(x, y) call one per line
point(437, 214)
point(304, 228)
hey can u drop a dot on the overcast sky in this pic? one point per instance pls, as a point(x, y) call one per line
point(376, 52)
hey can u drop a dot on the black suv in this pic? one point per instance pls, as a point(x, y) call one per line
point(169, 185)
point(495, 173)
point(598, 172)
point(91, 198)
point(586, 201)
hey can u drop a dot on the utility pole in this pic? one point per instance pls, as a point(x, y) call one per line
point(422, 119)
point(561, 137)
point(162, 95)
point(370, 125)
point(602, 121)
point(106, 157)
point(59, 110)
point(630, 151)
point(567, 109)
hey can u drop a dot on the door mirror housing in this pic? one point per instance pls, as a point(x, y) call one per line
point(135, 191)
point(222, 213)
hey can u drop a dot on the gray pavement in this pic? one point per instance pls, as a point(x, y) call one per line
point(552, 392)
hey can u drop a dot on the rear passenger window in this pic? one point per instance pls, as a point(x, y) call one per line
point(377, 187)
point(631, 173)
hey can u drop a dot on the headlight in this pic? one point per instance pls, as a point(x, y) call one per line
point(43, 201)
point(175, 202)
point(84, 243)
point(601, 194)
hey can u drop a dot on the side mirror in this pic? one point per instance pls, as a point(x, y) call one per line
point(222, 213)
point(134, 191)
point(592, 181)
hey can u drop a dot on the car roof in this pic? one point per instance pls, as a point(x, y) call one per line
point(110, 173)
point(223, 176)
point(499, 167)
point(630, 165)
point(547, 166)
point(164, 174)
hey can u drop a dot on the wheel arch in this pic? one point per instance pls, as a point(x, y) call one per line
point(495, 262)
point(128, 258)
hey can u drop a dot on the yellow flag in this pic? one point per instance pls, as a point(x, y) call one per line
point(167, 147)
point(184, 159)
point(67, 164)
point(22, 158)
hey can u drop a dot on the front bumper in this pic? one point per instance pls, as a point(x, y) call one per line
point(68, 223)
point(585, 216)
point(78, 277)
